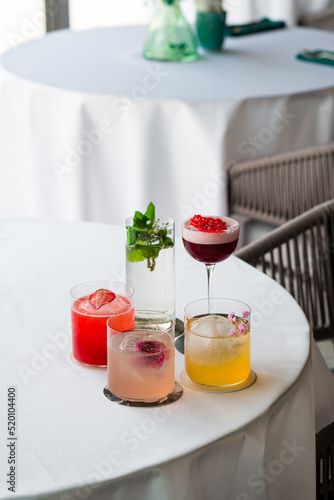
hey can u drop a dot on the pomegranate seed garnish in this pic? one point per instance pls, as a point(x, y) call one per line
point(208, 224)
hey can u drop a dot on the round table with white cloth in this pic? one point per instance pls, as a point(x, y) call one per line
point(90, 130)
point(71, 442)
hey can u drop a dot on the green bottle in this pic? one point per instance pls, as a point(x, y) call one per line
point(169, 37)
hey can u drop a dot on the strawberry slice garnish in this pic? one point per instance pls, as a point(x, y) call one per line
point(101, 297)
point(208, 224)
point(155, 349)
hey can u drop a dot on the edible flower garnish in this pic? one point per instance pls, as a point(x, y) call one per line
point(155, 349)
point(232, 317)
point(241, 326)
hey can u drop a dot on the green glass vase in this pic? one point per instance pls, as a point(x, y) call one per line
point(169, 37)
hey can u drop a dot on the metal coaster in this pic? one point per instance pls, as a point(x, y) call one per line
point(179, 327)
point(171, 398)
point(250, 380)
point(179, 343)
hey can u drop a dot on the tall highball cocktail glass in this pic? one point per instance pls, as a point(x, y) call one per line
point(150, 260)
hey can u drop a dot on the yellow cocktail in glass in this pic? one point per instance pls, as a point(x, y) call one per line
point(217, 343)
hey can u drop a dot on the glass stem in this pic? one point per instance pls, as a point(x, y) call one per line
point(209, 269)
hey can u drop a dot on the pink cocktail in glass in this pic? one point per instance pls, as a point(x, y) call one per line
point(141, 360)
point(89, 318)
point(146, 375)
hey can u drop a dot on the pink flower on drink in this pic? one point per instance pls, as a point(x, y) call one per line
point(232, 317)
point(245, 314)
point(242, 327)
point(233, 333)
point(155, 352)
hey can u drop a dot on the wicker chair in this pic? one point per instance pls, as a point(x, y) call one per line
point(325, 462)
point(300, 256)
point(323, 20)
point(277, 188)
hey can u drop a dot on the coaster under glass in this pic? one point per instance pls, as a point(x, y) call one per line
point(250, 380)
point(179, 343)
point(170, 398)
point(179, 327)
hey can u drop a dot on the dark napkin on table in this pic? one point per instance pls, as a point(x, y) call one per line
point(317, 56)
point(264, 24)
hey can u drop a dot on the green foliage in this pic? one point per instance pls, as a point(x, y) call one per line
point(146, 237)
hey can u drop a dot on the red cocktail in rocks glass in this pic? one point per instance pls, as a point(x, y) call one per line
point(92, 304)
point(210, 240)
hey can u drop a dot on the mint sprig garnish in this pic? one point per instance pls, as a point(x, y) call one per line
point(146, 237)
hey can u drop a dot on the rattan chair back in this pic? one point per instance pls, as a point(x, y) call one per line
point(325, 462)
point(277, 188)
point(300, 256)
point(323, 20)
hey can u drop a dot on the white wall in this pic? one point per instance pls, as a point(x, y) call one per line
point(20, 21)
point(24, 20)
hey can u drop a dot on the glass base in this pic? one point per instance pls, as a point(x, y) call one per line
point(178, 57)
point(250, 380)
point(86, 365)
point(170, 398)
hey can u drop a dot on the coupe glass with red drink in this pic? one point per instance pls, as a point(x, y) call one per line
point(210, 240)
point(92, 304)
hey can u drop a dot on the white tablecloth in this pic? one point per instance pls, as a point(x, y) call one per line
point(89, 130)
point(72, 441)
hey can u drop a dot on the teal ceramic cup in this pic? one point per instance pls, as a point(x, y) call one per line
point(210, 27)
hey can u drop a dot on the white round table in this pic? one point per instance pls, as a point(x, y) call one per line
point(72, 441)
point(89, 130)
